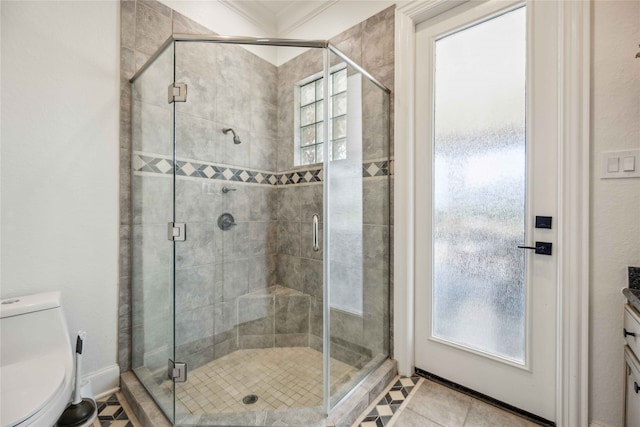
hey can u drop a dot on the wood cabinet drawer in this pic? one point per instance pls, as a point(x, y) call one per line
point(632, 328)
point(632, 401)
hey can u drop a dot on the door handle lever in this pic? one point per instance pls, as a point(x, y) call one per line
point(627, 333)
point(541, 248)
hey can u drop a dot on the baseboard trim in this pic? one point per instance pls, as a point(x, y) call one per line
point(104, 381)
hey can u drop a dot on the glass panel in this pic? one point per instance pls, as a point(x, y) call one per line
point(339, 81)
point(152, 209)
point(339, 104)
point(319, 132)
point(308, 114)
point(242, 309)
point(319, 89)
point(339, 149)
point(308, 135)
point(320, 111)
point(359, 234)
point(307, 94)
point(479, 192)
point(308, 155)
point(339, 127)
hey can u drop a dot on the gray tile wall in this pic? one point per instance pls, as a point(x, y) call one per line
point(222, 79)
point(270, 244)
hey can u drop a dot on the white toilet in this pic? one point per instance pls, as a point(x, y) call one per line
point(37, 361)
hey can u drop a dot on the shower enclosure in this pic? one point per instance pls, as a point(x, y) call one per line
point(260, 234)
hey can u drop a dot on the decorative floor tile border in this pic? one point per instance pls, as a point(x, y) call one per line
point(391, 401)
point(164, 165)
point(114, 413)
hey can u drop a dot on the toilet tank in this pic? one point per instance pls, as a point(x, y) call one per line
point(32, 326)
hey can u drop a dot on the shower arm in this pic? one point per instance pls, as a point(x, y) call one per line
point(236, 138)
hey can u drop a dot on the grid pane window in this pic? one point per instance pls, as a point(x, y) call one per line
point(311, 119)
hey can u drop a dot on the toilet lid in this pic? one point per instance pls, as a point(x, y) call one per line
point(27, 387)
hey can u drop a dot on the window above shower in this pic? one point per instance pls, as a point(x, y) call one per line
point(309, 117)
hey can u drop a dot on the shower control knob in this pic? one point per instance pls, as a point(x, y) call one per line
point(226, 221)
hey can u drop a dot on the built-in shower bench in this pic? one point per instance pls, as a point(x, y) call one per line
point(279, 316)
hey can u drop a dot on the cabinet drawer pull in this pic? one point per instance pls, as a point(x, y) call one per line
point(628, 334)
point(636, 388)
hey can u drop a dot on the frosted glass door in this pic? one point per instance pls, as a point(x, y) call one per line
point(486, 156)
point(479, 187)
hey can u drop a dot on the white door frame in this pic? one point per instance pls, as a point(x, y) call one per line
point(573, 204)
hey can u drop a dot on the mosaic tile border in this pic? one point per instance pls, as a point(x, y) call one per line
point(382, 414)
point(151, 163)
point(111, 412)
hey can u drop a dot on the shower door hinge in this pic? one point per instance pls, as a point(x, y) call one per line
point(177, 371)
point(177, 231)
point(177, 92)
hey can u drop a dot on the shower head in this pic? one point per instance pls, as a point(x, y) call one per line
point(236, 138)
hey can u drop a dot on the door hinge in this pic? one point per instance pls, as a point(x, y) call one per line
point(177, 231)
point(177, 371)
point(177, 92)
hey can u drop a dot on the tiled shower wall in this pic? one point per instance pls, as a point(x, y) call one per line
point(276, 249)
point(145, 25)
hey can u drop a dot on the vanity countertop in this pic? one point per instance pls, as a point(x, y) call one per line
point(633, 296)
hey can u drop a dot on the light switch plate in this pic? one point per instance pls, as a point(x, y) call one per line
point(628, 164)
point(620, 164)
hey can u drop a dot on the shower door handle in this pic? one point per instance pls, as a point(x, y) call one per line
point(316, 245)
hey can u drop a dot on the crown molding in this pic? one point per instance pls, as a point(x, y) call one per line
point(256, 13)
point(278, 24)
point(297, 16)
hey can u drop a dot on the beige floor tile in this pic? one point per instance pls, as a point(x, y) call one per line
point(408, 418)
point(440, 404)
point(281, 378)
point(484, 415)
point(384, 410)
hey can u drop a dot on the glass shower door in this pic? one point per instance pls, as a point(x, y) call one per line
point(152, 209)
point(358, 226)
point(248, 283)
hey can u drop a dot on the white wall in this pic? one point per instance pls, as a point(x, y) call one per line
point(59, 165)
point(615, 211)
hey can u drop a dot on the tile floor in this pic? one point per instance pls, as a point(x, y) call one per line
point(406, 402)
point(282, 378)
point(418, 402)
point(114, 411)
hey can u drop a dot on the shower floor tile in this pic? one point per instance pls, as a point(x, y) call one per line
point(282, 378)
